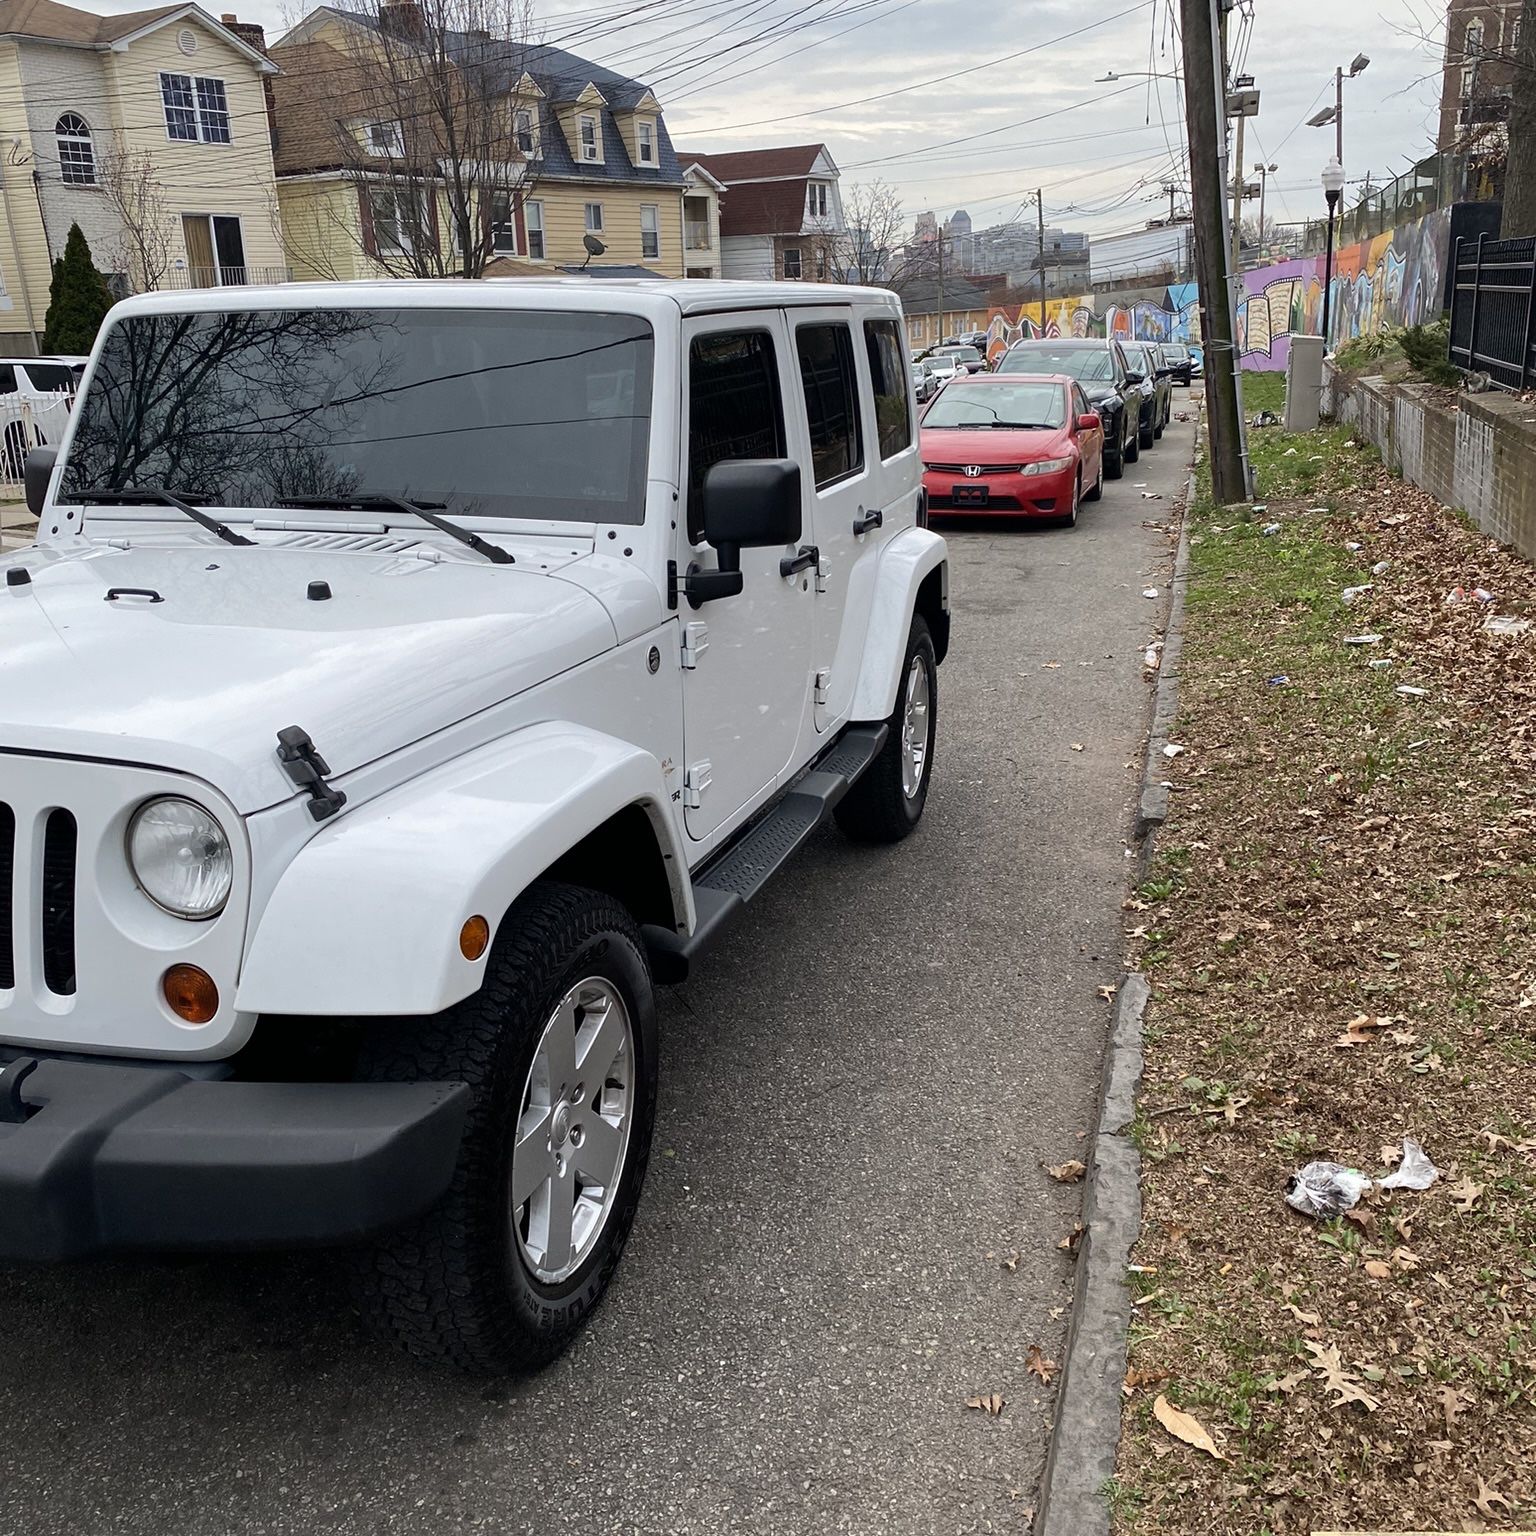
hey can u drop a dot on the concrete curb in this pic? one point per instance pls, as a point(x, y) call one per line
point(1086, 1434)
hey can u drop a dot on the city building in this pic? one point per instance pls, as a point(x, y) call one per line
point(781, 215)
point(935, 309)
point(596, 157)
point(150, 131)
point(1478, 73)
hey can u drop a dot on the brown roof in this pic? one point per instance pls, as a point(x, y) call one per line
point(765, 187)
point(319, 88)
point(62, 23)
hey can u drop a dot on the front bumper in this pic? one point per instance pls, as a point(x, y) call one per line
point(1007, 495)
point(102, 1156)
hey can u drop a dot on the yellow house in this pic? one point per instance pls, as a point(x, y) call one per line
point(593, 161)
point(150, 131)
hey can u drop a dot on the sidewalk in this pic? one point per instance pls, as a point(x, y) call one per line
point(18, 527)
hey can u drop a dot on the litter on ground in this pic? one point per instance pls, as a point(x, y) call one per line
point(1362, 639)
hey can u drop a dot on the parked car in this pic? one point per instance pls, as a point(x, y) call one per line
point(351, 812)
point(1180, 364)
point(46, 384)
point(977, 339)
point(925, 381)
point(975, 361)
point(1100, 367)
point(1013, 445)
point(1155, 386)
point(1196, 364)
point(944, 366)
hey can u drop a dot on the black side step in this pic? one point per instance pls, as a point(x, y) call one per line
point(726, 884)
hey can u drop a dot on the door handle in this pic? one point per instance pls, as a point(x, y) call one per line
point(806, 557)
point(874, 518)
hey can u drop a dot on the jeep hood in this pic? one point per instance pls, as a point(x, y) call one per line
point(235, 649)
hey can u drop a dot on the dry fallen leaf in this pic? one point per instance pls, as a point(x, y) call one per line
point(1357, 1031)
point(1337, 1377)
point(1405, 1258)
point(1311, 1319)
point(1288, 1384)
point(1072, 1239)
point(1011, 1263)
point(1487, 1498)
point(1067, 1173)
point(1136, 1377)
point(1185, 1427)
point(1451, 1404)
point(990, 1403)
point(1377, 1270)
point(1465, 1195)
point(1391, 1156)
point(1106, 993)
point(1036, 1363)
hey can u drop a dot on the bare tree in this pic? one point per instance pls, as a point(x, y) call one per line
point(865, 249)
point(438, 127)
point(133, 192)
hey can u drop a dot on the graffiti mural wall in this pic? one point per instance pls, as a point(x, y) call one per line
point(1394, 279)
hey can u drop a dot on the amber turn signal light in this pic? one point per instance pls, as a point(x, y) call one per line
point(190, 994)
point(473, 937)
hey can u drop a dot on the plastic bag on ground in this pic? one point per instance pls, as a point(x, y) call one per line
point(1325, 1189)
point(1414, 1172)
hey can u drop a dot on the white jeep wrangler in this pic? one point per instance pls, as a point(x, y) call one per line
point(405, 678)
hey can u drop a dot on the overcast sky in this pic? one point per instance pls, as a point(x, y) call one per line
point(735, 74)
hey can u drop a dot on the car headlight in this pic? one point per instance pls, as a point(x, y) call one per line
point(1045, 466)
point(181, 857)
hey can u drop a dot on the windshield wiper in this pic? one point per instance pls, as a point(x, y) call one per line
point(157, 496)
point(379, 501)
point(1044, 426)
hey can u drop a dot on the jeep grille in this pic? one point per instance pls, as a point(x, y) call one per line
point(54, 900)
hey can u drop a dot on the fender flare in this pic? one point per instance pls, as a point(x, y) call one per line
point(366, 919)
point(906, 562)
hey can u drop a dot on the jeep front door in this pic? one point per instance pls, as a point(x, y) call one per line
point(747, 659)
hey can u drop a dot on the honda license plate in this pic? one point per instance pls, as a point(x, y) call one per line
point(968, 495)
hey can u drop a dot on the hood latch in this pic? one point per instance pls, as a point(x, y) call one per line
point(304, 765)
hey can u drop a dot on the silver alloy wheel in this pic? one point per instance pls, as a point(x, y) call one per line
point(572, 1134)
point(914, 730)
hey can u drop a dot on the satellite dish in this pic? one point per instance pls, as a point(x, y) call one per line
point(593, 246)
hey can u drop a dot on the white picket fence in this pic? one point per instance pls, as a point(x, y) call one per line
point(24, 425)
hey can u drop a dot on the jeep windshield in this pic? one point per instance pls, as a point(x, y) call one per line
point(499, 413)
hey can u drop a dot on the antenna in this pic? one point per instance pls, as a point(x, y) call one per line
point(593, 247)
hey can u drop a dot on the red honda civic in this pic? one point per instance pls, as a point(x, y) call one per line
point(1012, 445)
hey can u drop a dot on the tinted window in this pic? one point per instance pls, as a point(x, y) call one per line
point(893, 417)
point(47, 377)
point(831, 386)
point(1032, 403)
point(1078, 362)
point(7, 379)
point(734, 410)
point(500, 413)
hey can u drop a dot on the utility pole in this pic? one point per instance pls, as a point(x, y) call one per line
point(1205, 113)
point(940, 341)
point(1237, 200)
point(1040, 225)
point(1519, 216)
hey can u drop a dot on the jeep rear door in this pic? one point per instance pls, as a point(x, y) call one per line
point(746, 659)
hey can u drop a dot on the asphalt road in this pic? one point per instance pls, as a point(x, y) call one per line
point(860, 1089)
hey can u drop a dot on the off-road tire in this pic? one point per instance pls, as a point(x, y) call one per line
point(453, 1288)
point(877, 809)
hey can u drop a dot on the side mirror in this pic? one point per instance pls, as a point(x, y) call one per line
point(748, 504)
point(36, 475)
point(1090, 421)
point(1134, 378)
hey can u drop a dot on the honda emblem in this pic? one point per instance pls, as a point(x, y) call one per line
point(972, 471)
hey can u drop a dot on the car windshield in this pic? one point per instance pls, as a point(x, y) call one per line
point(1028, 403)
point(1177, 353)
point(501, 413)
point(965, 354)
point(49, 377)
point(1085, 363)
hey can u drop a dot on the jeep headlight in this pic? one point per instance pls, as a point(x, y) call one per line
point(181, 857)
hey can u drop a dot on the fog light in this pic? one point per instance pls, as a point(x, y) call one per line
point(473, 937)
point(190, 993)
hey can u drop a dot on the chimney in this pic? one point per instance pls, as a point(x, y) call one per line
point(402, 18)
point(254, 35)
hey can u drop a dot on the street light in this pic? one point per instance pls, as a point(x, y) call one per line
point(1333, 190)
point(1335, 113)
point(1263, 174)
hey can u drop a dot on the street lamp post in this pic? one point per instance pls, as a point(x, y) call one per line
point(1263, 171)
point(1333, 190)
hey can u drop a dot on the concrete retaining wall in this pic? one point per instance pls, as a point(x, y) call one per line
point(1477, 453)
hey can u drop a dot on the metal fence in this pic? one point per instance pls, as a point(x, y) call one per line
point(1493, 309)
point(225, 277)
point(24, 425)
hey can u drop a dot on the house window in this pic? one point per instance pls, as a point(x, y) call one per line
point(647, 135)
point(215, 249)
point(821, 264)
point(384, 139)
point(77, 155)
point(503, 229)
point(395, 223)
point(792, 261)
point(594, 218)
point(196, 108)
point(817, 200)
point(888, 377)
point(830, 384)
point(734, 411)
point(650, 232)
point(533, 222)
point(588, 138)
point(1471, 52)
point(523, 125)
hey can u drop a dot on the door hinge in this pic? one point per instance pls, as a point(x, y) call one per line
point(823, 679)
point(302, 762)
point(695, 642)
point(823, 570)
point(696, 779)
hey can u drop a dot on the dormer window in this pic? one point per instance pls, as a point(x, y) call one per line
point(383, 139)
point(817, 200)
point(588, 129)
point(646, 133)
point(522, 123)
